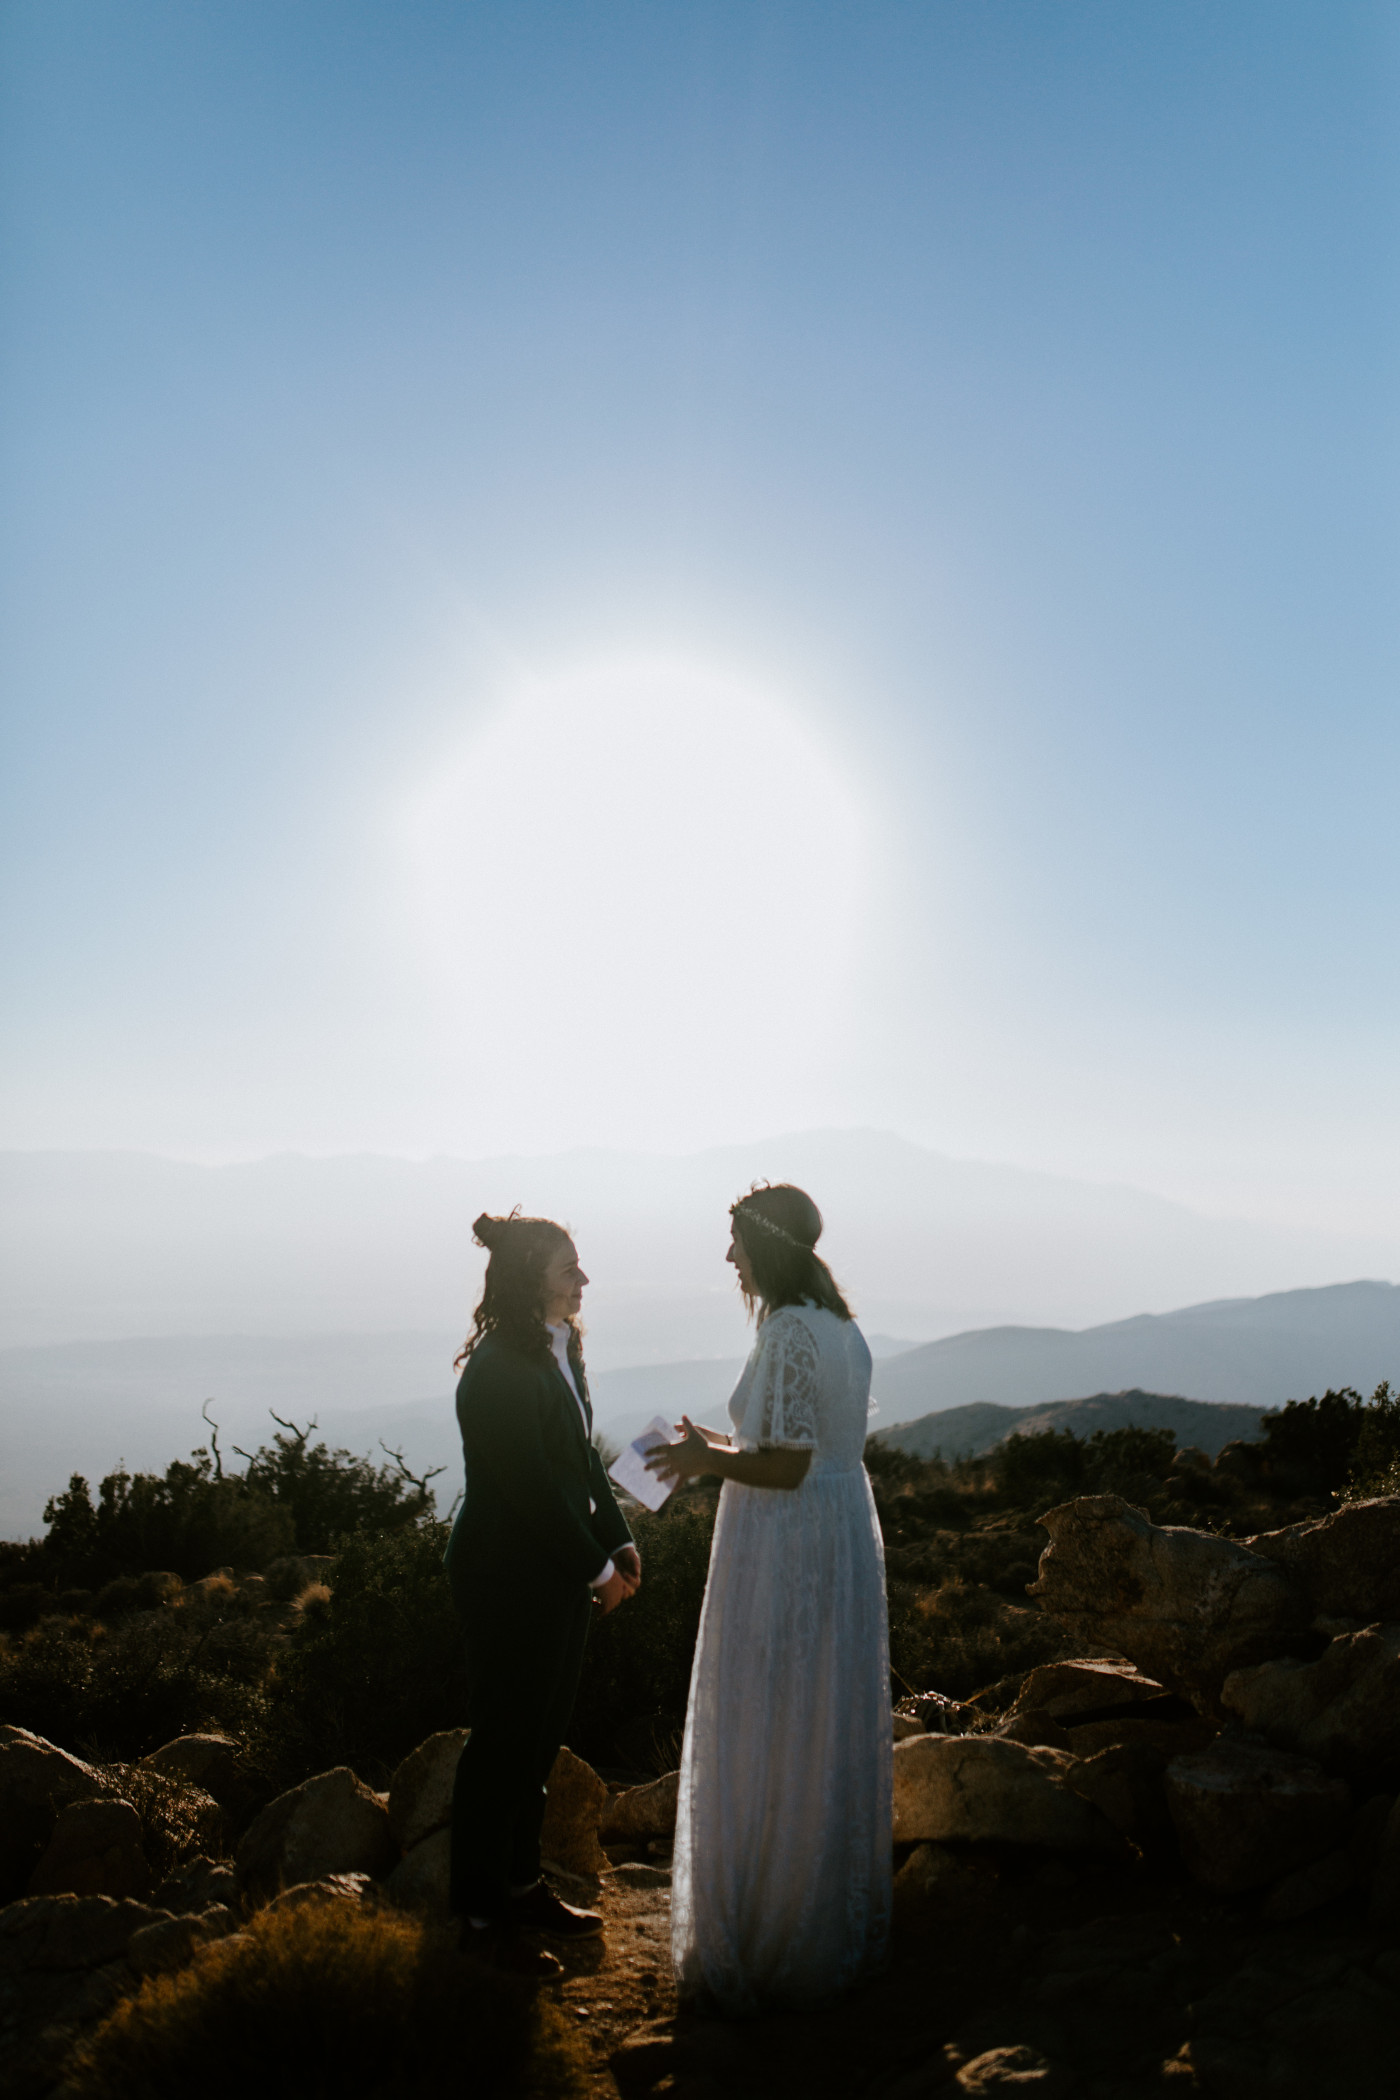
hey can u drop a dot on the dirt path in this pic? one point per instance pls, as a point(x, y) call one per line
point(1061, 1984)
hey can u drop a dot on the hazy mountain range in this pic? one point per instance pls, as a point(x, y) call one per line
point(962, 1432)
point(134, 1288)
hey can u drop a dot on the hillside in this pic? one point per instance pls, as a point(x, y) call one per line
point(966, 1432)
point(1253, 1352)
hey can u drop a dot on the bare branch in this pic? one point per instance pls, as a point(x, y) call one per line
point(300, 1434)
point(213, 1439)
point(413, 1479)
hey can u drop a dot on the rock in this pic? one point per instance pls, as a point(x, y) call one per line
point(1014, 2069)
point(1186, 1607)
point(331, 1824)
point(1189, 1459)
point(37, 1780)
point(983, 1787)
point(1343, 1709)
point(1036, 1726)
point(1072, 1691)
point(169, 1944)
point(1239, 1460)
point(1385, 1875)
point(422, 1880)
point(211, 1762)
point(420, 1792)
point(644, 1811)
point(327, 1888)
point(95, 1850)
point(1245, 1813)
point(574, 1806)
point(1348, 1562)
point(199, 1885)
point(1124, 1783)
point(935, 1888)
point(905, 1725)
point(68, 1932)
point(1308, 1888)
point(1364, 1844)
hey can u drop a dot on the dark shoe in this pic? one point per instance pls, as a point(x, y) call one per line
point(542, 1911)
point(499, 1947)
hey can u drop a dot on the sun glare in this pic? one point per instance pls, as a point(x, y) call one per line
point(659, 868)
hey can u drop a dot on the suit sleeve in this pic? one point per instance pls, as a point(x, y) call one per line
point(608, 1523)
point(504, 1432)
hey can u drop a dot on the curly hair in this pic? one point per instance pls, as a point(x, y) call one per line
point(512, 1302)
point(779, 1227)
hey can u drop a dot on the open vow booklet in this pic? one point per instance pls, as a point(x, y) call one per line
point(630, 1470)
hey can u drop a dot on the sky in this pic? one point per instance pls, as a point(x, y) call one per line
point(640, 575)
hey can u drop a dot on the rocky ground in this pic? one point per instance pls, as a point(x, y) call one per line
point(1165, 1862)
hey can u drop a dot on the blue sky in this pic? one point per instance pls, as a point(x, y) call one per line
point(892, 507)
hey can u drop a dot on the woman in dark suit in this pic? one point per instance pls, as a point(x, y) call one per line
point(539, 1547)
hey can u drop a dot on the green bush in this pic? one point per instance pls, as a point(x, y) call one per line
point(331, 1999)
point(377, 1668)
point(187, 1519)
point(1052, 1465)
point(1322, 1446)
point(631, 1704)
point(1375, 1460)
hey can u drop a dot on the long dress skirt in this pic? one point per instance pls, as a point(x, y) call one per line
point(781, 1885)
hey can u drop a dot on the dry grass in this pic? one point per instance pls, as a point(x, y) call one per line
point(332, 2001)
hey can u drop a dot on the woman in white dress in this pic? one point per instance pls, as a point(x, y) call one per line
point(781, 1892)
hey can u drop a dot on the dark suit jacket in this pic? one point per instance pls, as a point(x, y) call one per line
point(531, 1473)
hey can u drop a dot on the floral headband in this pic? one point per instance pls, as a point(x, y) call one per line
point(755, 1217)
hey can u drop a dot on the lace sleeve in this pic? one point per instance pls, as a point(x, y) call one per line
point(784, 1399)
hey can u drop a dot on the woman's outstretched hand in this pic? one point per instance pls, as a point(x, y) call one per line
point(674, 1463)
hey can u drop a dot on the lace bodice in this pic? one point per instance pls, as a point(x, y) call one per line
point(806, 1386)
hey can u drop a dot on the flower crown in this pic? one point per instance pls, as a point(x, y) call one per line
point(744, 1216)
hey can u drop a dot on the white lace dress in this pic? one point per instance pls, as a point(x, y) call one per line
point(782, 1862)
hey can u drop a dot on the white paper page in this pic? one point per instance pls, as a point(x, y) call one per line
point(629, 1471)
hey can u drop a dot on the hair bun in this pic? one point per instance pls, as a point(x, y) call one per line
point(487, 1231)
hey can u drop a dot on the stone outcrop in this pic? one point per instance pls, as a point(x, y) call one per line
point(1343, 1709)
point(62, 1966)
point(95, 1850)
point(983, 1787)
point(643, 1811)
point(420, 1792)
point(573, 1811)
point(331, 1824)
point(37, 1781)
point(1347, 1564)
point(1246, 1814)
point(171, 1943)
point(1187, 1608)
point(422, 1880)
point(211, 1762)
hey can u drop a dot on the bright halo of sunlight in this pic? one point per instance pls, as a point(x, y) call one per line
point(642, 877)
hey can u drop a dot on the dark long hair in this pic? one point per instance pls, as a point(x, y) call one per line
point(512, 1302)
point(779, 1227)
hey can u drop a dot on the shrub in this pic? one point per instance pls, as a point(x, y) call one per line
point(121, 1691)
point(179, 1821)
point(1311, 1444)
point(188, 1519)
point(374, 1668)
point(1375, 1463)
point(636, 1672)
point(330, 1999)
point(328, 1494)
point(959, 1637)
point(23, 1606)
point(1051, 1465)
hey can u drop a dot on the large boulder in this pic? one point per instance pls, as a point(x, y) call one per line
point(984, 1787)
point(331, 1824)
point(172, 1943)
point(62, 1965)
point(1343, 1709)
point(1082, 1690)
point(1385, 1872)
point(1348, 1563)
point(422, 1880)
point(214, 1763)
point(644, 1811)
point(420, 1792)
point(573, 1810)
point(95, 1850)
point(1186, 1607)
point(1246, 1814)
point(37, 1781)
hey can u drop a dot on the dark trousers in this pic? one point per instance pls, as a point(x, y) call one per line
point(524, 1654)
